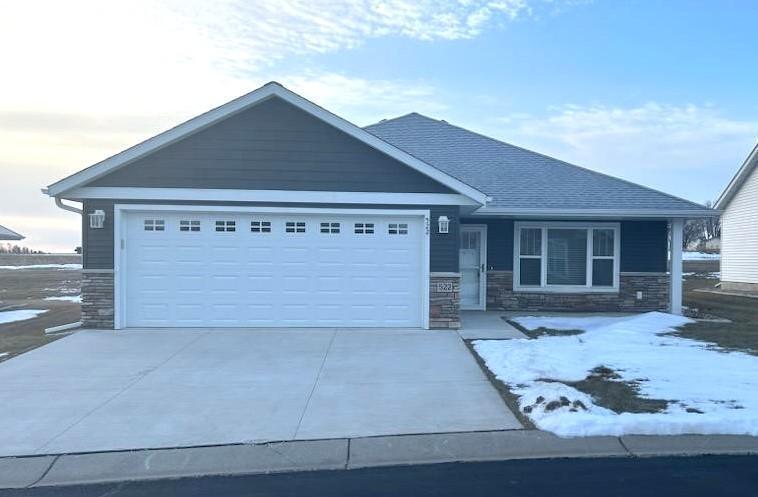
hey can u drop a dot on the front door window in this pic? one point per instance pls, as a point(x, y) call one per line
point(470, 257)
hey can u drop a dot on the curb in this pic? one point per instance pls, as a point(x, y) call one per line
point(345, 454)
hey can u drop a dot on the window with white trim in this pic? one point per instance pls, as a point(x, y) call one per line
point(568, 257)
point(226, 226)
point(397, 229)
point(364, 228)
point(260, 226)
point(155, 225)
point(330, 228)
point(294, 227)
point(189, 225)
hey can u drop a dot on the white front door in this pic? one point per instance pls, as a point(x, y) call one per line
point(473, 262)
point(244, 269)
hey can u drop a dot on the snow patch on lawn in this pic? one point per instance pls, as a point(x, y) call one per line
point(715, 275)
point(23, 314)
point(67, 298)
point(689, 374)
point(45, 266)
point(699, 256)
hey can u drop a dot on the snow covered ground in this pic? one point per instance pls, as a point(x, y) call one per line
point(715, 275)
point(699, 256)
point(21, 315)
point(45, 266)
point(723, 386)
point(67, 298)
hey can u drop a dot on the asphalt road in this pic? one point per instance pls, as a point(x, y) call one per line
point(714, 476)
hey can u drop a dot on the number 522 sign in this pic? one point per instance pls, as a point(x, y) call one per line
point(444, 286)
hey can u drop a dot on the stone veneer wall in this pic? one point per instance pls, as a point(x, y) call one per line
point(97, 298)
point(445, 300)
point(654, 288)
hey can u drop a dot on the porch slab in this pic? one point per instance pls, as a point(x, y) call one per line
point(486, 325)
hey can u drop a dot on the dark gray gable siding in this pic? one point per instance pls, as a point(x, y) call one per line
point(272, 146)
point(644, 245)
point(98, 247)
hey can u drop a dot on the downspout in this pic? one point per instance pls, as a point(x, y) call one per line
point(61, 205)
point(65, 207)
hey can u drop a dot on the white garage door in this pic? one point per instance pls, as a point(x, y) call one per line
point(221, 269)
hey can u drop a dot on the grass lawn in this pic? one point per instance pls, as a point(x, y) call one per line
point(27, 289)
point(741, 334)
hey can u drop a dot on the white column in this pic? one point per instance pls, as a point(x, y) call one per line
point(677, 226)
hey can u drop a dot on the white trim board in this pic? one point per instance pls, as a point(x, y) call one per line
point(240, 104)
point(590, 214)
point(287, 196)
point(119, 234)
point(739, 178)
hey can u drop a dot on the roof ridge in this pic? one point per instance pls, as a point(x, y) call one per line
point(585, 169)
point(389, 119)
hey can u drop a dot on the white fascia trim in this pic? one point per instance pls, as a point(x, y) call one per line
point(594, 213)
point(271, 210)
point(242, 103)
point(290, 196)
point(736, 182)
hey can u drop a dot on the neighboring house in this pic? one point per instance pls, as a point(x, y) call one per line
point(6, 234)
point(739, 228)
point(271, 211)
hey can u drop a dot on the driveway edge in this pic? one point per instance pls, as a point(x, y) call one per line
point(341, 454)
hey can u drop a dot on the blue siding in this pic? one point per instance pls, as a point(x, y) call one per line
point(271, 146)
point(644, 245)
point(97, 244)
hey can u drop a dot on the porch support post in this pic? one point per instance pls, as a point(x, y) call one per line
point(677, 227)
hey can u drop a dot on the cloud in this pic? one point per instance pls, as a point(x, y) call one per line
point(647, 136)
point(652, 143)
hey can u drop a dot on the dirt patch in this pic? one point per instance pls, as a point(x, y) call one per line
point(543, 332)
point(510, 399)
point(741, 334)
point(27, 289)
point(618, 396)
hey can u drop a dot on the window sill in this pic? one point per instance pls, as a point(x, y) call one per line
point(565, 290)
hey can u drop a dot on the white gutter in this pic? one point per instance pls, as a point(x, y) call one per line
point(595, 213)
point(63, 206)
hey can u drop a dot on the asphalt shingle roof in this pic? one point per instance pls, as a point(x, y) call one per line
point(6, 234)
point(514, 177)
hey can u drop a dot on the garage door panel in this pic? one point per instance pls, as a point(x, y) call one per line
point(275, 278)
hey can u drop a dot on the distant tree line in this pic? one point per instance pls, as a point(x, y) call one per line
point(698, 231)
point(7, 248)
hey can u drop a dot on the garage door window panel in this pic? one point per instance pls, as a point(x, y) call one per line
point(189, 225)
point(294, 227)
point(226, 226)
point(330, 228)
point(260, 226)
point(155, 225)
point(397, 229)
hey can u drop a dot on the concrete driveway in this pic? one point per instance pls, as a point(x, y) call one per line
point(105, 390)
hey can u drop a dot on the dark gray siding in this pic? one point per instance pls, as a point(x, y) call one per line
point(643, 245)
point(98, 243)
point(272, 146)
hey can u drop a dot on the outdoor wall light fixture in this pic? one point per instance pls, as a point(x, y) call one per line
point(443, 224)
point(97, 219)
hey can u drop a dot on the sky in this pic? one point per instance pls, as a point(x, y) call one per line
point(659, 93)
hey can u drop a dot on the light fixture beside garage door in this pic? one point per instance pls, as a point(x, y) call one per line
point(97, 219)
point(443, 224)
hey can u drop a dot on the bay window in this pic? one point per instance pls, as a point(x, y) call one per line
point(566, 256)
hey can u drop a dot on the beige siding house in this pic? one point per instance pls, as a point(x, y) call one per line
point(739, 228)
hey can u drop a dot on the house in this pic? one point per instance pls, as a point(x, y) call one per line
point(271, 211)
point(739, 228)
point(6, 234)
